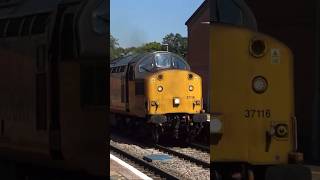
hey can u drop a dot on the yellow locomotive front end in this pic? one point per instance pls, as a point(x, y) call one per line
point(253, 129)
point(174, 101)
point(173, 91)
point(253, 92)
point(252, 99)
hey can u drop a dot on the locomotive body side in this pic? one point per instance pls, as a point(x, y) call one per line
point(53, 90)
point(117, 102)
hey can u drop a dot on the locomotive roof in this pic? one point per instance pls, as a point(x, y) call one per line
point(133, 58)
point(18, 8)
point(126, 60)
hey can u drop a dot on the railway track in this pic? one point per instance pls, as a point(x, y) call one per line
point(200, 147)
point(184, 156)
point(148, 169)
point(181, 165)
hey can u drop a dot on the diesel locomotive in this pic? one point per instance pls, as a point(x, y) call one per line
point(157, 91)
point(253, 128)
point(53, 83)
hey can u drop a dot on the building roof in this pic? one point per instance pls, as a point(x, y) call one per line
point(200, 9)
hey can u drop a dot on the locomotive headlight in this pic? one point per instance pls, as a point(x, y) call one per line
point(191, 88)
point(160, 88)
point(259, 84)
point(176, 101)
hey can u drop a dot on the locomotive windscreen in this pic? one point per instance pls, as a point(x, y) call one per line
point(161, 60)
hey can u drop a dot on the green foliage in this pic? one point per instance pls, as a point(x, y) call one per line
point(115, 50)
point(177, 44)
point(150, 47)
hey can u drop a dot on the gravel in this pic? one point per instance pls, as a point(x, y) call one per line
point(178, 167)
point(198, 154)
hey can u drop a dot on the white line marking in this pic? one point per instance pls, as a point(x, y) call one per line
point(132, 169)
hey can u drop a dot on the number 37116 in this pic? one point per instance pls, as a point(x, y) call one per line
point(254, 113)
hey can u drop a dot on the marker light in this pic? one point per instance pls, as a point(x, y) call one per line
point(259, 84)
point(160, 88)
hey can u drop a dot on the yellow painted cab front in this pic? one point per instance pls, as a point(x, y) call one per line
point(173, 91)
point(252, 96)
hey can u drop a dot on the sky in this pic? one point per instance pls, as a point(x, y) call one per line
point(135, 22)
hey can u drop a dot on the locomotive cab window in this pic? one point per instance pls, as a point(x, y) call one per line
point(25, 30)
point(163, 60)
point(39, 24)
point(14, 27)
point(147, 64)
point(3, 25)
point(99, 19)
point(178, 63)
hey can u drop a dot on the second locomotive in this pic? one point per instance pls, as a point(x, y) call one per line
point(158, 90)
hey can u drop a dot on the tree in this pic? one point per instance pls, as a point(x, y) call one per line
point(115, 50)
point(151, 46)
point(176, 43)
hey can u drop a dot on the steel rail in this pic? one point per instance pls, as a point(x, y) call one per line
point(200, 147)
point(143, 163)
point(183, 156)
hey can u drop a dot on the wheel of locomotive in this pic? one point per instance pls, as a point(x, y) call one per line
point(188, 138)
point(205, 133)
point(155, 131)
